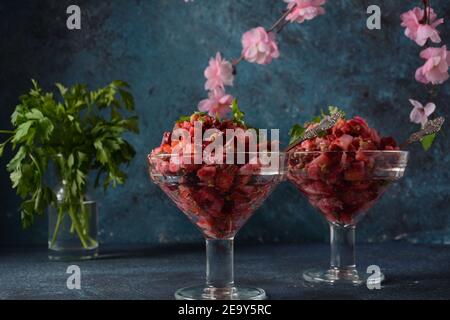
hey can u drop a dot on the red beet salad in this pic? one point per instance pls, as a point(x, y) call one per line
point(218, 198)
point(343, 171)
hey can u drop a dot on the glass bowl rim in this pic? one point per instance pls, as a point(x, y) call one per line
point(400, 152)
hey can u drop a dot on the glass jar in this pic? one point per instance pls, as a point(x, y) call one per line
point(72, 230)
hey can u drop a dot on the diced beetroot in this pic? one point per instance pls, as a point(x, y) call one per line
point(224, 181)
point(242, 180)
point(374, 136)
point(360, 156)
point(356, 172)
point(317, 188)
point(388, 143)
point(163, 167)
point(207, 173)
point(174, 167)
point(330, 206)
point(167, 138)
point(355, 197)
point(209, 201)
point(355, 128)
point(361, 185)
point(344, 141)
point(346, 219)
point(247, 190)
point(314, 171)
point(362, 122)
point(225, 178)
point(320, 161)
point(167, 149)
point(250, 169)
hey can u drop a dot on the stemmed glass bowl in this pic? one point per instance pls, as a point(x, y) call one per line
point(219, 199)
point(343, 186)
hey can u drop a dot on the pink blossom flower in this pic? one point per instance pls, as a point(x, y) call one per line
point(305, 10)
point(418, 32)
point(420, 113)
point(219, 73)
point(218, 103)
point(259, 46)
point(435, 70)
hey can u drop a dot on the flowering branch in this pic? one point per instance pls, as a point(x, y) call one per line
point(260, 47)
point(426, 15)
point(282, 22)
point(277, 27)
point(421, 27)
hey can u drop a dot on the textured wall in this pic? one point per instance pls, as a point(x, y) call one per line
point(162, 47)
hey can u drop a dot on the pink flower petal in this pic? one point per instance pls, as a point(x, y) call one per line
point(304, 10)
point(259, 46)
point(426, 32)
point(219, 73)
point(416, 104)
point(217, 104)
point(417, 116)
point(420, 77)
point(420, 33)
point(435, 69)
point(429, 109)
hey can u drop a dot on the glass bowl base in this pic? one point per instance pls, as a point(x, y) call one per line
point(345, 277)
point(202, 293)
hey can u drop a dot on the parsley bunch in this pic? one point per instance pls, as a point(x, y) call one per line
point(77, 130)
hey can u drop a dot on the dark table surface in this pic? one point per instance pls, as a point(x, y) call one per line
point(412, 271)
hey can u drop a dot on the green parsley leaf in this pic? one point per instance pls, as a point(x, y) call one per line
point(238, 115)
point(333, 110)
point(428, 141)
point(61, 88)
point(184, 119)
point(296, 133)
point(22, 131)
point(70, 161)
point(127, 99)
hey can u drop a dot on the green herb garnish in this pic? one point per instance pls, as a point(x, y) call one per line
point(324, 122)
point(296, 133)
point(238, 115)
point(184, 119)
point(427, 142)
point(188, 118)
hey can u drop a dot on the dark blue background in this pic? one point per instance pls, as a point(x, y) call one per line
point(161, 47)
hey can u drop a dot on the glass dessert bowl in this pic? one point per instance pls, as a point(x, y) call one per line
point(218, 199)
point(343, 186)
point(343, 172)
point(203, 166)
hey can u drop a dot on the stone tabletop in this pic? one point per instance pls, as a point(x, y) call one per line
point(412, 271)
